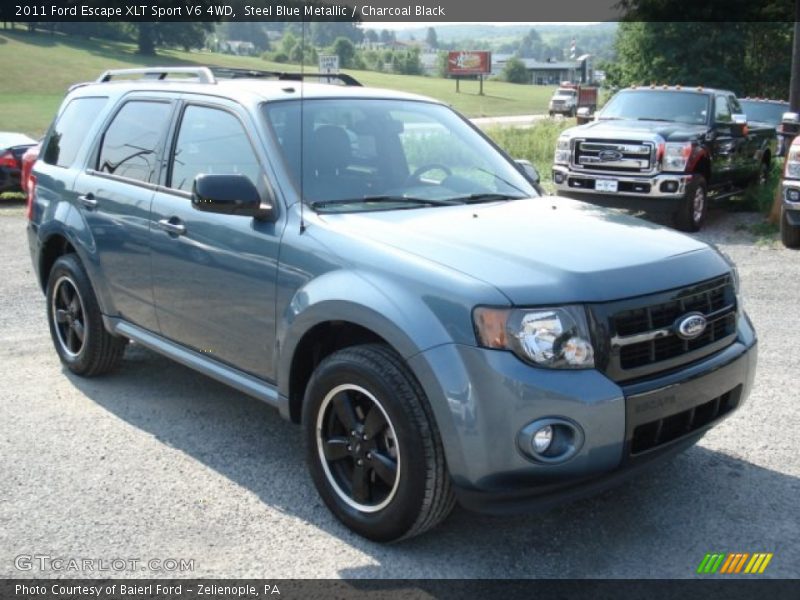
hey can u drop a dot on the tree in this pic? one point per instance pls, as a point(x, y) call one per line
point(431, 38)
point(371, 36)
point(387, 37)
point(530, 46)
point(515, 71)
point(345, 50)
point(168, 33)
point(794, 83)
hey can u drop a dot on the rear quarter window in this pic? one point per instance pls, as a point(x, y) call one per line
point(69, 130)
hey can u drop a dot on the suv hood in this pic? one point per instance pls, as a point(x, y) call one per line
point(541, 250)
point(623, 129)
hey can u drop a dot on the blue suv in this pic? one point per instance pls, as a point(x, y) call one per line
point(372, 265)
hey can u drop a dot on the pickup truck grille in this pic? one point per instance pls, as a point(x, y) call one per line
point(625, 156)
point(643, 334)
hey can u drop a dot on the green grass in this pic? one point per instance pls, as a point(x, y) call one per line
point(39, 68)
point(536, 144)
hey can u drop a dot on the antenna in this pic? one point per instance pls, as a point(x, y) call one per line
point(302, 124)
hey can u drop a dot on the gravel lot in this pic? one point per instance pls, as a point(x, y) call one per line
point(156, 462)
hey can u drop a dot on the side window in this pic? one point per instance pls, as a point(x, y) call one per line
point(736, 108)
point(211, 141)
point(722, 111)
point(70, 129)
point(132, 142)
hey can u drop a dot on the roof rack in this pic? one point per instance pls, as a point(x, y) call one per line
point(203, 74)
point(238, 73)
point(211, 74)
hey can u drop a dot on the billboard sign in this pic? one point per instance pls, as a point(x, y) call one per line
point(468, 62)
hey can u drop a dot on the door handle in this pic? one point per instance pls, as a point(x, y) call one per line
point(173, 226)
point(88, 200)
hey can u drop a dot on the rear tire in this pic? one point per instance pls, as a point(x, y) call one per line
point(790, 234)
point(692, 213)
point(76, 323)
point(373, 447)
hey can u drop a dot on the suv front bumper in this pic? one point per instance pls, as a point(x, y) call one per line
point(483, 398)
point(660, 192)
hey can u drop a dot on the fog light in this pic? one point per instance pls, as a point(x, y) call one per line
point(542, 439)
point(670, 187)
point(793, 195)
point(558, 177)
point(551, 440)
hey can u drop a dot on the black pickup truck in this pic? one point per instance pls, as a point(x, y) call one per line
point(664, 149)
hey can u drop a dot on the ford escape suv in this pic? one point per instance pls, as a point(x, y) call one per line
point(376, 268)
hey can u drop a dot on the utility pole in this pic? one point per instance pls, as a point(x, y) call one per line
point(794, 85)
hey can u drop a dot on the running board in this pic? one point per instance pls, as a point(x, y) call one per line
point(252, 386)
point(725, 195)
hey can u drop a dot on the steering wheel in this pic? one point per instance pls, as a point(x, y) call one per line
point(414, 177)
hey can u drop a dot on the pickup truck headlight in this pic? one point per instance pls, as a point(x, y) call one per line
point(562, 151)
point(793, 163)
point(557, 338)
point(676, 155)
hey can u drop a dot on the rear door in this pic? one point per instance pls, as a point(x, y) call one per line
point(114, 195)
point(214, 276)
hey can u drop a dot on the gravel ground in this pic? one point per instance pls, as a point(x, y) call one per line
point(156, 462)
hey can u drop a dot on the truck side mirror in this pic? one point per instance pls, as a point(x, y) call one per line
point(528, 170)
point(584, 115)
point(739, 118)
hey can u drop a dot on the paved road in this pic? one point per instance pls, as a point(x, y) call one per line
point(156, 462)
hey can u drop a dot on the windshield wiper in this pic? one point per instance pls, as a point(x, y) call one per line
point(487, 197)
point(655, 119)
point(386, 198)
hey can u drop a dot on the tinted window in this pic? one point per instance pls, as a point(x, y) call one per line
point(70, 130)
point(132, 142)
point(211, 141)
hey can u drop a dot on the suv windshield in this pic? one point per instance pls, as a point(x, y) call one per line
point(658, 105)
point(369, 154)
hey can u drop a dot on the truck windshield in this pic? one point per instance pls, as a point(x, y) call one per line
point(658, 105)
point(765, 112)
point(567, 93)
point(372, 154)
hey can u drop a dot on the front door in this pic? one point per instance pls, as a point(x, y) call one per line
point(214, 276)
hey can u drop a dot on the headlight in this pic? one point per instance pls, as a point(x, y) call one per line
point(793, 163)
point(737, 286)
point(562, 151)
point(676, 155)
point(549, 337)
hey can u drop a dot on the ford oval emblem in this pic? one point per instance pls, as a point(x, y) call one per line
point(610, 155)
point(690, 326)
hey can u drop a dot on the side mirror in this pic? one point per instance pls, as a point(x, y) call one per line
point(790, 118)
point(739, 119)
point(584, 115)
point(228, 195)
point(528, 170)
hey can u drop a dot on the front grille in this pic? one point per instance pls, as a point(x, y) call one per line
point(670, 428)
point(624, 156)
point(643, 331)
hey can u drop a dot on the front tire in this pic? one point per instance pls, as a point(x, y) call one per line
point(373, 447)
point(76, 323)
point(692, 213)
point(790, 234)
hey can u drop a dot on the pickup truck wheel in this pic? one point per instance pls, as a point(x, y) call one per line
point(373, 447)
point(76, 324)
point(692, 213)
point(790, 234)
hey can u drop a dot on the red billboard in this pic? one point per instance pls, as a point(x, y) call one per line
point(467, 62)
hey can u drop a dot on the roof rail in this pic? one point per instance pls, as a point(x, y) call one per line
point(238, 73)
point(203, 74)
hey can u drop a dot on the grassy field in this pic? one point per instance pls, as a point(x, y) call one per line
point(38, 69)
